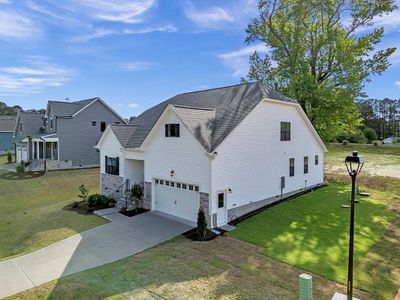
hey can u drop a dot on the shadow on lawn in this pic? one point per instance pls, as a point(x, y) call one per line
point(311, 232)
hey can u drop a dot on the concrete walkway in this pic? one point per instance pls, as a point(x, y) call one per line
point(122, 237)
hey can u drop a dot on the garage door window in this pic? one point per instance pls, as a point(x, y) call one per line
point(178, 185)
point(184, 186)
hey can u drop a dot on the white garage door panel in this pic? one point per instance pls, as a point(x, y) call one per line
point(179, 202)
point(19, 155)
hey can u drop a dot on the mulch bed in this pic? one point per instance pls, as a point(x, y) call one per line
point(19, 176)
point(193, 236)
point(133, 212)
point(82, 208)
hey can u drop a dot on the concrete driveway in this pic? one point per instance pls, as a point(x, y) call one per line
point(122, 237)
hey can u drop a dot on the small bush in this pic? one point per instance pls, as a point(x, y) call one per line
point(98, 200)
point(9, 157)
point(376, 143)
point(345, 142)
point(20, 168)
point(201, 224)
point(370, 134)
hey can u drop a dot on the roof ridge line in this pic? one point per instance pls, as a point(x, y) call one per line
point(218, 88)
point(193, 107)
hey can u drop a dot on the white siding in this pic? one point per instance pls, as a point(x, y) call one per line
point(184, 155)
point(252, 158)
point(112, 148)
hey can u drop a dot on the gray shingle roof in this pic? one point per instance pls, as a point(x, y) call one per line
point(68, 109)
point(7, 123)
point(123, 132)
point(31, 124)
point(210, 114)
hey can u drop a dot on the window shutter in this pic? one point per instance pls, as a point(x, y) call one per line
point(177, 130)
point(105, 165)
point(166, 130)
point(117, 166)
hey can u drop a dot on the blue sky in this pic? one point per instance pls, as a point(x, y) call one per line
point(135, 53)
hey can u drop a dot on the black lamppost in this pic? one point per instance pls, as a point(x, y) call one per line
point(354, 164)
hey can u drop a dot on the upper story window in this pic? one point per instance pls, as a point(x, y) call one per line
point(103, 126)
point(305, 164)
point(285, 131)
point(316, 160)
point(172, 130)
point(94, 123)
point(112, 165)
point(20, 126)
point(291, 167)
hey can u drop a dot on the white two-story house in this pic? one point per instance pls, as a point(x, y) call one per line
point(230, 150)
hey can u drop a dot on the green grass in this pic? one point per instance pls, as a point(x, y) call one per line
point(32, 214)
point(224, 268)
point(311, 232)
point(3, 159)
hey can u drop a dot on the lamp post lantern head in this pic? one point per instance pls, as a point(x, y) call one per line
point(354, 163)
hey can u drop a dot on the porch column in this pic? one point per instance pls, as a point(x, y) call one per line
point(52, 150)
point(37, 151)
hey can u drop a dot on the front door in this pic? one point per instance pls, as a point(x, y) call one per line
point(221, 208)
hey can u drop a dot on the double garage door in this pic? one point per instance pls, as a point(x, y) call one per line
point(177, 198)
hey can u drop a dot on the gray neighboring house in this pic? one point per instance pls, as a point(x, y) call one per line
point(64, 137)
point(7, 124)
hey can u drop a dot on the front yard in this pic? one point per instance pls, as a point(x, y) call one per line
point(33, 214)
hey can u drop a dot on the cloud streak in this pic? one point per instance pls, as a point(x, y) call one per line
point(15, 26)
point(32, 78)
point(238, 60)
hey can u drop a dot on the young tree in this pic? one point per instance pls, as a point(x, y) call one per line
point(370, 135)
point(201, 224)
point(319, 56)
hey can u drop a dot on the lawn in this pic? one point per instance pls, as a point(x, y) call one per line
point(3, 159)
point(33, 214)
point(381, 160)
point(224, 268)
point(311, 232)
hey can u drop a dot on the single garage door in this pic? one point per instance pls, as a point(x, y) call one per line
point(177, 198)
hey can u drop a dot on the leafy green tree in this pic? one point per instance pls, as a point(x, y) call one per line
point(319, 56)
point(370, 135)
point(84, 192)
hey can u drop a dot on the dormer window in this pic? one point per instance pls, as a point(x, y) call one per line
point(172, 130)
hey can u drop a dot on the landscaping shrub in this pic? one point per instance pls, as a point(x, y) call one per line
point(201, 224)
point(20, 168)
point(370, 135)
point(345, 142)
point(376, 143)
point(98, 200)
point(137, 195)
point(357, 138)
point(9, 157)
point(84, 192)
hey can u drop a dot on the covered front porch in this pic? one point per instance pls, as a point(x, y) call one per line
point(44, 148)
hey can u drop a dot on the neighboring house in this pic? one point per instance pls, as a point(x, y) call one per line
point(64, 137)
point(390, 140)
point(7, 124)
point(230, 150)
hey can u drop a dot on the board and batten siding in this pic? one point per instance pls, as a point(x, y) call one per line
point(252, 159)
point(111, 148)
point(183, 154)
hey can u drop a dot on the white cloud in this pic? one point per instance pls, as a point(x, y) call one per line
point(238, 60)
point(32, 78)
point(125, 11)
point(136, 66)
point(133, 105)
point(103, 32)
point(16, 26)
point(5, 1)
point(397, 83)
point(236, 14)
point(209, 17)
point(390, 22)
